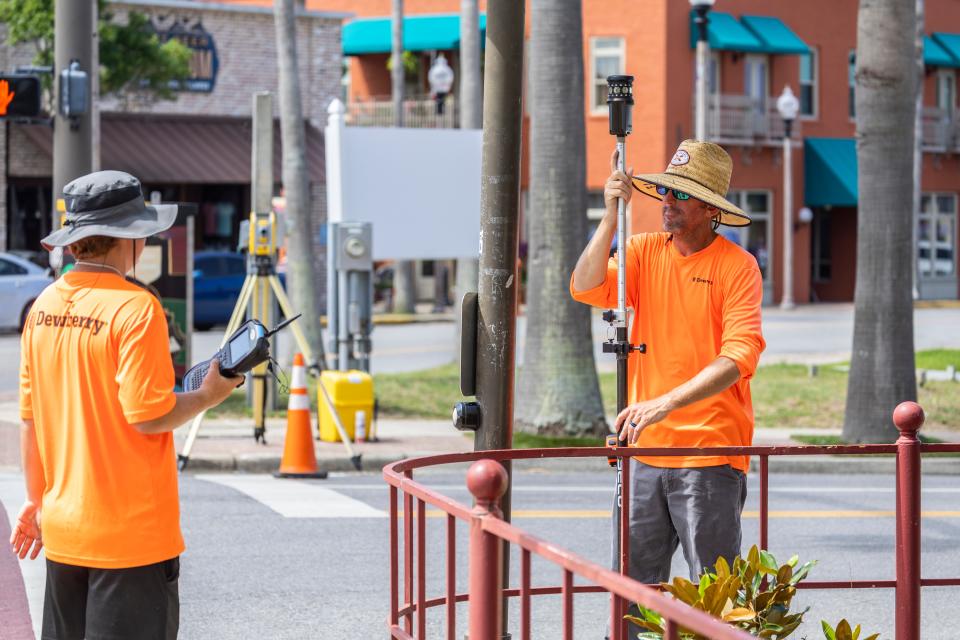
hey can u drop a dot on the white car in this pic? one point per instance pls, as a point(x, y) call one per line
point(21, 281)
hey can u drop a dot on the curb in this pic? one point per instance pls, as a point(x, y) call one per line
point(268, 463)
point(820, 465)
point(404, 318)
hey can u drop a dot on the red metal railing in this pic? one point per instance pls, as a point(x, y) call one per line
point(487, 481)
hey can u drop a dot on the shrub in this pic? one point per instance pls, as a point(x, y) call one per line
point(754, 595)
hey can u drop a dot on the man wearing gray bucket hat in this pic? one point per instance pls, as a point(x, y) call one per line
point(98, 408)
point(696, 299)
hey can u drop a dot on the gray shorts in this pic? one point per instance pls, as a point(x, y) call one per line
point(696, 508)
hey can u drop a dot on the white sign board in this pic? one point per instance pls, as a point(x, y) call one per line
point(419, 187)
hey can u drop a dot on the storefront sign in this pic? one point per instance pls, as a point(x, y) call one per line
point(204, 63)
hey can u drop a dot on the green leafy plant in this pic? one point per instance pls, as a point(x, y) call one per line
point(754, 595)
point(844, 632)
point(132, 57)
point(411, 63)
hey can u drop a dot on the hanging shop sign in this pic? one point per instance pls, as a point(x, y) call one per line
point(204, 63)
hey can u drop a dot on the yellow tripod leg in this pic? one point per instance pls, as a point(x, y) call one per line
point(245, 292)
point(261, 301)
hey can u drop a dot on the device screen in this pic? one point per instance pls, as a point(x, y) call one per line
point(242, 345)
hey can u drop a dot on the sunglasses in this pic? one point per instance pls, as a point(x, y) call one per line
point(679, 195)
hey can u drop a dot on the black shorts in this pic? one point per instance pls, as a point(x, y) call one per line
point(139, 603)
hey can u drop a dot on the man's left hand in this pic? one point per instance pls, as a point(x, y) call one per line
point(26, 532)
point(637, 417)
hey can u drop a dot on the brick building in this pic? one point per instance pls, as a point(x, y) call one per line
point(196, 148)
point(757, 49)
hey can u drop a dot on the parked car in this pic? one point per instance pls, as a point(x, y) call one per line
point(217, 279)
point(21, 281)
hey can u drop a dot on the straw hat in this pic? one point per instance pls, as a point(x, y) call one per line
point(701, 169)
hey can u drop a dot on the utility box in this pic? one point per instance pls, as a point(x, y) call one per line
point(350, 392)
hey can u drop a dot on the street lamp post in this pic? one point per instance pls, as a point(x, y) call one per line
point(787, 106)
point(701, 8)
point(440, 78)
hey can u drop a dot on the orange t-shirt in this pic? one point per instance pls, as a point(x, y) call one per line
point(95, 358)
point(689, 310)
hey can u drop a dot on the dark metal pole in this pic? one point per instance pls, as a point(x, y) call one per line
point(499, 226)
point(73, 137)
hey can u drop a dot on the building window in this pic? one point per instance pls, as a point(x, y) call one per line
point(755, 238)
point(936, 235)
point(607, 58)
point(947, 92)
point(756, 86)
point(852, 81)
point(820, 264)
point(809, 64)
point(713, 74)
point(345, 81)
point(756, 82)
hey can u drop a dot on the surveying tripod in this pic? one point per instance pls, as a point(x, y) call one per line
point(260, 282)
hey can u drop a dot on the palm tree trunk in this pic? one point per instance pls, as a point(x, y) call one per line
point(882, 369)
point(471, 117)
point(917, 145)
point(559, 391)
point(302, 276)
point(404, 276)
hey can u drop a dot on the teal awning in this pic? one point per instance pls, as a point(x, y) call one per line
point(420, 33)
point(725, 33)
point(935, 55)
point(950, 43)
point(776, 37)
point(749, 34)
point(830, 172)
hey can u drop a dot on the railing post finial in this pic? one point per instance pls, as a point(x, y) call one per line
point(908, 417)
point(487, 481)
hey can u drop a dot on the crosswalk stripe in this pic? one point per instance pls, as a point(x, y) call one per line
point(296, 499)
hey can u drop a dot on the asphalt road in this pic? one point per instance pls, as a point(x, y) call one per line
point(271, 566)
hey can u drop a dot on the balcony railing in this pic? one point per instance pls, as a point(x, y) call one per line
point(941, 130)
point(743, 120)
point(418, 113)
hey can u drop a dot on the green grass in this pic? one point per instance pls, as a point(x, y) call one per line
point(420, 394)
point(938, 358)
point(784, 396)
point(532, 441)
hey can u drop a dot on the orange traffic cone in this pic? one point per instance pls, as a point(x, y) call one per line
point(299, 458)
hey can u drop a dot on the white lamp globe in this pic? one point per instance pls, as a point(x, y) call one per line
point(440, 76)
point(787, 104)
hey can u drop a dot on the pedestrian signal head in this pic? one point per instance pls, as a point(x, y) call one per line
point(19, 96)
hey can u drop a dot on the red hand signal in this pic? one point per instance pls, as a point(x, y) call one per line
point(6, 97)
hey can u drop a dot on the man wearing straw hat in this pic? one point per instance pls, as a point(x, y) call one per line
point(97, 407)
point(696, 298)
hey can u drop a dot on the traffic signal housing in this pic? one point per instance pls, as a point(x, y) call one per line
point(19, 96)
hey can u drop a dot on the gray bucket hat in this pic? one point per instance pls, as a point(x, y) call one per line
point(109, 203)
